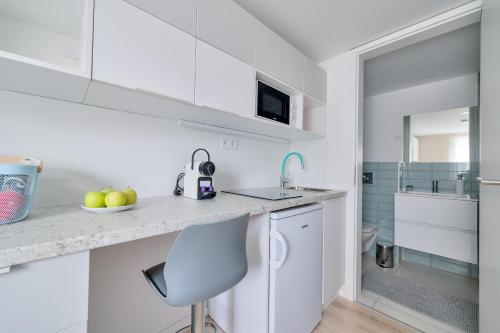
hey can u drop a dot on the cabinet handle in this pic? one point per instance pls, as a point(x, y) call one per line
point(4, 270)
point(487, 182)
point(279, 237)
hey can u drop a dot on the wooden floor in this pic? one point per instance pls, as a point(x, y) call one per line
point(344, 316)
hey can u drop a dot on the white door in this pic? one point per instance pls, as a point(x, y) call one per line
point(295, 283)
point(489, 211)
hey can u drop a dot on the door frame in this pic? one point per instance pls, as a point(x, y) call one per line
point(457, 18)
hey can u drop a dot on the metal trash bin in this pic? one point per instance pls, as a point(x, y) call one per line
point(385, 254)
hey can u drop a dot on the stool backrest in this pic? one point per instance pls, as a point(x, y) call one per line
point(206, 260)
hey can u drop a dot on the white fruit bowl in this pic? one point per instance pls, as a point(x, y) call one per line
point(107, 210)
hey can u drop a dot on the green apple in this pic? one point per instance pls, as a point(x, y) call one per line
point(115, 199)
point(131, 195)
point(108, 189)
point(94, 200)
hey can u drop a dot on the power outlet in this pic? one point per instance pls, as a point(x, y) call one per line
point(228, 143)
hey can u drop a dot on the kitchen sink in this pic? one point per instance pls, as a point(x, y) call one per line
point(307, 189)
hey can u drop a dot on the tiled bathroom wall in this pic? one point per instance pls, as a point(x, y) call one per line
point(378, 199)
point(421, 175)
point(378, 202)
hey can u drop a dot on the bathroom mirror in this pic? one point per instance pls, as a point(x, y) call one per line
point(442, 136)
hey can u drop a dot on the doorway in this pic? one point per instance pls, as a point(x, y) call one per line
point(418, 116)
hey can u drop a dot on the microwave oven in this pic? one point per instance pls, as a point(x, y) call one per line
point(273, 104)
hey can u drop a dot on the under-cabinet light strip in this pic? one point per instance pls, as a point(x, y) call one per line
point(229, 131)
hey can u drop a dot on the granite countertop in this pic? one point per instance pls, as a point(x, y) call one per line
point(59, 230)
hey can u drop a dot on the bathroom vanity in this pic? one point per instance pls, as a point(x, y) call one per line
point(438, 223)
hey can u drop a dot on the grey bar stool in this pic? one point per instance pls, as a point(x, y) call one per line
point(205, 260)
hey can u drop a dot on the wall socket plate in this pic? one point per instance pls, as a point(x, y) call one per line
point(229, 143)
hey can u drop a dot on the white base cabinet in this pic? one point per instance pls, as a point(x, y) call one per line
point(46, 296)
point(333, 248)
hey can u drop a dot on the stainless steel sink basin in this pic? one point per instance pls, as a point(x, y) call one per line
point(308, 189)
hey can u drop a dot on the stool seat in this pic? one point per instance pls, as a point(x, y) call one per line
point(205, 260)
point(154, 276)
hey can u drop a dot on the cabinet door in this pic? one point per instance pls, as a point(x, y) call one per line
point(314, 80)
point(223, 82)
point(139, 51)
point(46, 296)
point(277, 57)
point(226, 25)
point(179, 13)
point(333, 248)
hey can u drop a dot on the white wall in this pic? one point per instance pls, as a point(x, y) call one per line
point(341, 148)
point(314, 173)
point(85, 148)
point(383, 114)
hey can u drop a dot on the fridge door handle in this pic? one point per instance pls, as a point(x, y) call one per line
point(284, 252)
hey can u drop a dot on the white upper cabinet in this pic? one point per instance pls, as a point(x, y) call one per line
point(223, 82)
point(226, 25)
point(314, 80)
point(136, 50)
point(179, 13)
point(278, 58)
point(45, 47)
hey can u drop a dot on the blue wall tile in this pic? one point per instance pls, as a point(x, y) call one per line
point(415, 256)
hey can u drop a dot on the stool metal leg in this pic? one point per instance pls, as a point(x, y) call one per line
point(198, 322)
point(197, 318)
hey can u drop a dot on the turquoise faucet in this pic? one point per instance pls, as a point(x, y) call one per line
point(283, 179)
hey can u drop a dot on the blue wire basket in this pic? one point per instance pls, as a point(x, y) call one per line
point(18, 183)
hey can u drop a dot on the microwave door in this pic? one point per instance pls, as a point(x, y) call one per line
point(273, 104)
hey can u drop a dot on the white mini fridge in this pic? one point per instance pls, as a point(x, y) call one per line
point(296, 263)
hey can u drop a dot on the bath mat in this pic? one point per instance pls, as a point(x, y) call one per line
point(453, 310)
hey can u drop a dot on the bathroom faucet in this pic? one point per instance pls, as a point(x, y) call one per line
point(283, 179)
point(435, 186)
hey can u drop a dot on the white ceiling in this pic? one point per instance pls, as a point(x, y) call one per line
point(440, 122)
point(61, 16)
point(450, 55)
point(325, 28)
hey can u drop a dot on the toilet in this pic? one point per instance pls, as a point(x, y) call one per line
point(370, 232)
